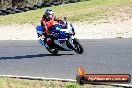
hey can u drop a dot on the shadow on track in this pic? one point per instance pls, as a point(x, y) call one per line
point(32, 56)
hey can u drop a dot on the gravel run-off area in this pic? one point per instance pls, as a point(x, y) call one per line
point(84, 30)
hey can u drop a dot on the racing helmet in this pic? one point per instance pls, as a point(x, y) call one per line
point(49, 14)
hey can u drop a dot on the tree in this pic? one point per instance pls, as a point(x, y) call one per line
point(17, 3)
point(13, 3)
point(1, 3)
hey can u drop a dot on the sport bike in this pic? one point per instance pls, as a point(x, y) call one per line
point(63, 38)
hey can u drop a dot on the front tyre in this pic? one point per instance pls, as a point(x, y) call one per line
point(78, 47)
point(54, 50)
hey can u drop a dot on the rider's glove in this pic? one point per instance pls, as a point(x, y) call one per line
point(55, 35)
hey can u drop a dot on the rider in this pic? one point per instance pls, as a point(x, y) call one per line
point(47, 23)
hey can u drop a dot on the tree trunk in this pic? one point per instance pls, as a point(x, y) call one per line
point(14, 3)
point(1, 3)
point(17, 3)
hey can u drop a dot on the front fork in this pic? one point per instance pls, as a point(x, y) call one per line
point(41, 41)
point(71, 41)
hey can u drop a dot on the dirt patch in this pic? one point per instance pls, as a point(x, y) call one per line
point(104, 30)
point(84, 30)
point(18, 32)
point(117, 13)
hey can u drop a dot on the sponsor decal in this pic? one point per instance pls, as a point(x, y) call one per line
point(62, 41)
point(83, 78)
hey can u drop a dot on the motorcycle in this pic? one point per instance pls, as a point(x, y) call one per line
point(63, 38)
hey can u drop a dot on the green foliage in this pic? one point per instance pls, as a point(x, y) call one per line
point(6, 82)
point(81, 11)
point(6, 3)
point(71, 85)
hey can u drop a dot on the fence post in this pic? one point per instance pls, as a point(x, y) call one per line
point(13, 3)
point(1, 2)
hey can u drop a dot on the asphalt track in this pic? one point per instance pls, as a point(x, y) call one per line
point(29, 58)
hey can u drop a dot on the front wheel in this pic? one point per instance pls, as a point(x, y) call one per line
point(78, 47)
point(52, 50)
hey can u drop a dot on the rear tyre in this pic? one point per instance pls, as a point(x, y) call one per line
point(78, 47)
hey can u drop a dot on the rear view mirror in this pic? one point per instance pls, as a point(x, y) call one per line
point(65, 18)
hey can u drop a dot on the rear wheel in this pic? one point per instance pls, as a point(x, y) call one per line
point(78, 47)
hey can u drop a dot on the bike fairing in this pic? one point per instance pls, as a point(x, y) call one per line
point(64, 39)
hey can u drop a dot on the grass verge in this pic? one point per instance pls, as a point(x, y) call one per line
point(6, 82)
point(81, 11)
